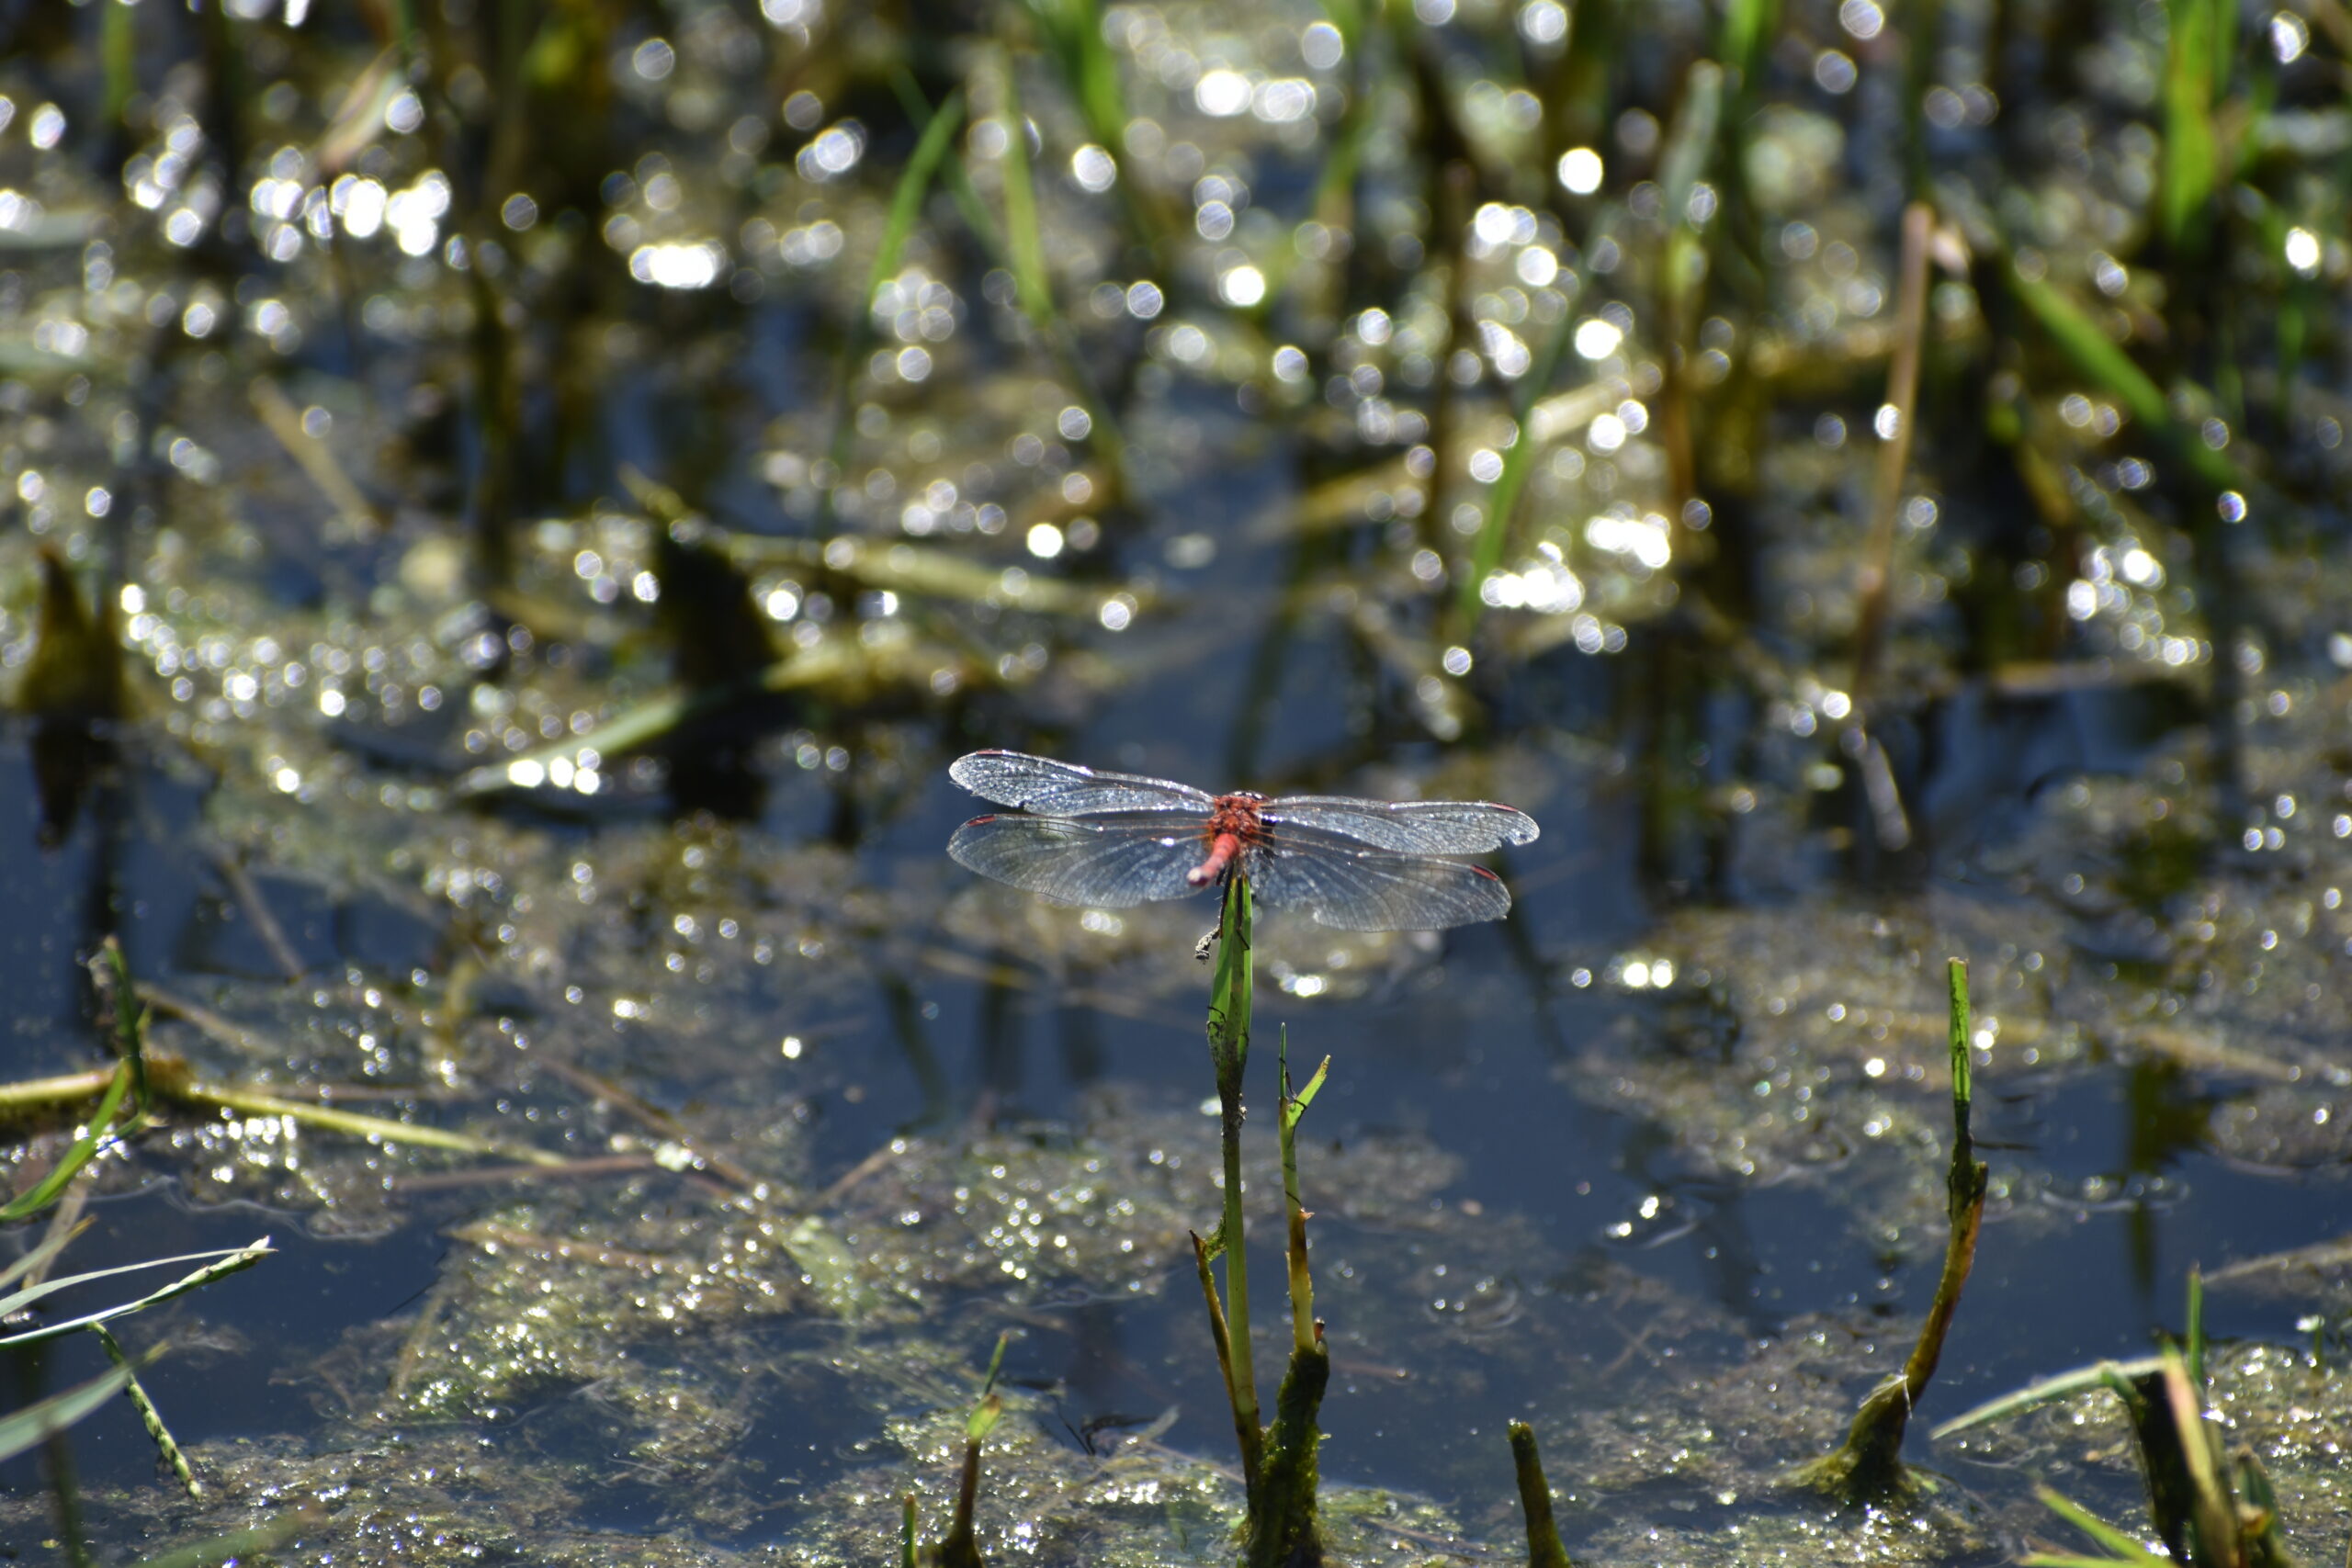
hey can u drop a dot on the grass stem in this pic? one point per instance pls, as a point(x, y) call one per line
point(1876, 571)
point(1302, 1283)
point(1229, 1006)
point(1543, 1548)
point(148, 1416)
point(1868, 1466)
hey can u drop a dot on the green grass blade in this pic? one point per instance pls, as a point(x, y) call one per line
point(118, 47)
point(381, 1129)
point(16, 1302)
point(2194, 1343)
point(1074, 30)
point(100, 1129)
point(2097, 356)
point(1494, 534)
point(2119, 1543)
point(222, 1266)
point(1296, 1105)
point(2192, 156)
point(996, 1363)
point(2124, 1548)
point(2062, 1385)
point(1963, 1080)
point(38, 1258)
point(112, 971)
point(1024, 240)
point(34, 1425)
point(905, 201)
point(906, 206)
point(1746, 24)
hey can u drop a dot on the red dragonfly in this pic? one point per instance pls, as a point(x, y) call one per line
point(1112, 840)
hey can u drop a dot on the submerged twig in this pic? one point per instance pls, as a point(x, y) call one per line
point(248, 895)
point(1874, 574)
point(314, 458)
point(652, 1116)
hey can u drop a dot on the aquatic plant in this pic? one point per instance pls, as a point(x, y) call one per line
point(1543, 1548)
point(1278, 1460)
point(959, 1547)
point(25, 1281)
point(1518, 365)
point(1868, 1466)
point(2212, 1504)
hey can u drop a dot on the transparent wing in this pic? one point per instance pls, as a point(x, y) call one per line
point(1065, 789)
point(1103, 865)
point(1408, 827)
point(1371, 890)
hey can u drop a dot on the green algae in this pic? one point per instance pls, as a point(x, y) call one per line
point(313, 651)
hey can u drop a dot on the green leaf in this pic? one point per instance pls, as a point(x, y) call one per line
point(2192, 158)
point(1023, 239)
point(39, 1258)
point(234, 1260)
point(2062, 1385)
point(2097, 356)
point(35, 1424)
point(905, 201)
point(1488, 554)
point(2120, 1544)
point(996, 1363)
point(99, 1129)
point(1296, 1106)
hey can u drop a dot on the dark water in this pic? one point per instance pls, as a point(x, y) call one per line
point(409, 508)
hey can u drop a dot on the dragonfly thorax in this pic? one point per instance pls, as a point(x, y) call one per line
point(1233, 828)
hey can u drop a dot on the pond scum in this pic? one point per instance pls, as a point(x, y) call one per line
point(519, 503)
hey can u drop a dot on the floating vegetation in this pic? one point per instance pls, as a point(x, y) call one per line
point(510, 511)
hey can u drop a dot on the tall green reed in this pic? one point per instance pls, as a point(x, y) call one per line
point(1278, 1462)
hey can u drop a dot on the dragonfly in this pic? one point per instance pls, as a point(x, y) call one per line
point(1108, 840)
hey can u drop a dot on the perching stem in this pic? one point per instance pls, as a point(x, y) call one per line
point(1229, 1003)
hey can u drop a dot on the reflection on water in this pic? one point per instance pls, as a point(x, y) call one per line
point(561, 487)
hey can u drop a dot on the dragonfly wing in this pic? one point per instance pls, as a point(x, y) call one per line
point(1408, 827)
point(1065, 789)
point(1371, 890)
point(1103, 866)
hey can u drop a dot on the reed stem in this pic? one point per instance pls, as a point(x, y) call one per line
point(1229, 1005)
point(1868, 1465)
point(1543, 1548)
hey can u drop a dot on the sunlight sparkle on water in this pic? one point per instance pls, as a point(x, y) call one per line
point(1580, 171)
point(1596, 339)
point(688, 264)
